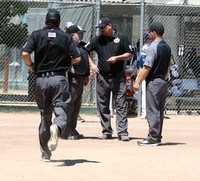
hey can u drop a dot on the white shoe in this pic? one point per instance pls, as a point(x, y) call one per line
point(53, 141)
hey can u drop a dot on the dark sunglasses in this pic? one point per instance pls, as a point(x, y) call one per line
point(103, 27)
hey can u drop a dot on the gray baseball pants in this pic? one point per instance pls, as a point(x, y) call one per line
point(52, 95)
point(156, 95)
point(116, 84)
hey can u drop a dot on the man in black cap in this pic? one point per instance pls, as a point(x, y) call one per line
point(54, 53)
point(78, 78)
point(155, 72)
point(113, 49)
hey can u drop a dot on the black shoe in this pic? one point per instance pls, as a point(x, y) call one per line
point(72, 137)
point(80, 119)
point(45, 157)
point(123, 137)
point(105, 136)
point(148, 143)
point(75, 137)
point(80, 136)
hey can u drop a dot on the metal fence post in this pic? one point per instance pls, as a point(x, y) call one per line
point(141, 44)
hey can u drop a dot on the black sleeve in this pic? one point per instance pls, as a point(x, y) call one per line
point(126, 46)
point(29, 45)
point(90, 46)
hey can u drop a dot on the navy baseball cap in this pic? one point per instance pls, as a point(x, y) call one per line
point(157, 27)
point(147, 36)
point(103, 22)
point(73, 29)
point(53, 16)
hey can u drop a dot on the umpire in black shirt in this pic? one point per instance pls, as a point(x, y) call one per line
point(113, 48)
point(54, 52)
point(78, 78)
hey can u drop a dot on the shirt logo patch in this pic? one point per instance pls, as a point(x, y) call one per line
point(51, 35)
point(130, 47)
point(116, 40)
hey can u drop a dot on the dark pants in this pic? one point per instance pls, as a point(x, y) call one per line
point(116, 84)
point(52, 95)
point(156, 95)
point(76, 84)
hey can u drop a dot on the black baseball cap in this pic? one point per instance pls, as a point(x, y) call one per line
point(53, 16)
point(103, 22)
point(157, 27)
point(73, 29)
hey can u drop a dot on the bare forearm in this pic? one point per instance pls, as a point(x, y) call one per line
point(76, 60)
point(142, 74)
point(167, 72)
point(125, 56)
point(27, 58)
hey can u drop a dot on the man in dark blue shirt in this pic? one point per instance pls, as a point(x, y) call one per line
point(54, 52)
point(113, 49)
point(155, 72)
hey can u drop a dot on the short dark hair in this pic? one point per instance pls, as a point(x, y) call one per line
point(157, 27)
point(53, 17)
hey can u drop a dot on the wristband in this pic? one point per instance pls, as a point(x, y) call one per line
point(31, 64)
point(92, 71)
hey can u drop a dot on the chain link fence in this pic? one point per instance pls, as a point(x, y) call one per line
point(19, 18)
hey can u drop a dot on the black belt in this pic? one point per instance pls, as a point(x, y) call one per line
point(50, 74)
point(111, 74)
point(74, 75)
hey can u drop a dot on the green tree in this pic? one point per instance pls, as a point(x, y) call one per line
point(12, 34)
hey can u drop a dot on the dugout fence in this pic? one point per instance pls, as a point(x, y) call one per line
point(19, 18)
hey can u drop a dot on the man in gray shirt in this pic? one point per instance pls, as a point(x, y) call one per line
point(155, 72)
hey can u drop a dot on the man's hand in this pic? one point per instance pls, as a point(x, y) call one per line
point(112, 59)
point(86, 80)
point(32, 67)
point(136, 86)
point(94, 68)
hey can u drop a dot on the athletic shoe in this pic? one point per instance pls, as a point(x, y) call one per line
point(105, 136)
point(143, 117)
point(53, 141)
point(45, 157)
point(123, 137)
point(148, 143)
point(80, 119)
point(72, 137)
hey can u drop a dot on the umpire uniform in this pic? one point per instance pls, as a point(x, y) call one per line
point(155, 70)
point(77, 74)
point(156, 89)
point(111, 77)
point(53, 51)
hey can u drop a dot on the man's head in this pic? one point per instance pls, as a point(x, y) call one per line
point(52, 18)
point(157, 28)
point(67, 25)
point(81, 32)
point(105, 26)
point(76, 32)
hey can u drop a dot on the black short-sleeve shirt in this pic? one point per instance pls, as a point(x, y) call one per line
point(81, 68)
point(53, 49)
point(107, 47)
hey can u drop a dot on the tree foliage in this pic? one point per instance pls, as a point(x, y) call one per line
point(13, 34)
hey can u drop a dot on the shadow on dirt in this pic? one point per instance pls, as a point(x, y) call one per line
point(72, 162)
point(171, 144)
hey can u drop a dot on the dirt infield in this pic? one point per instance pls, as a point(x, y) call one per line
point(90, 159)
